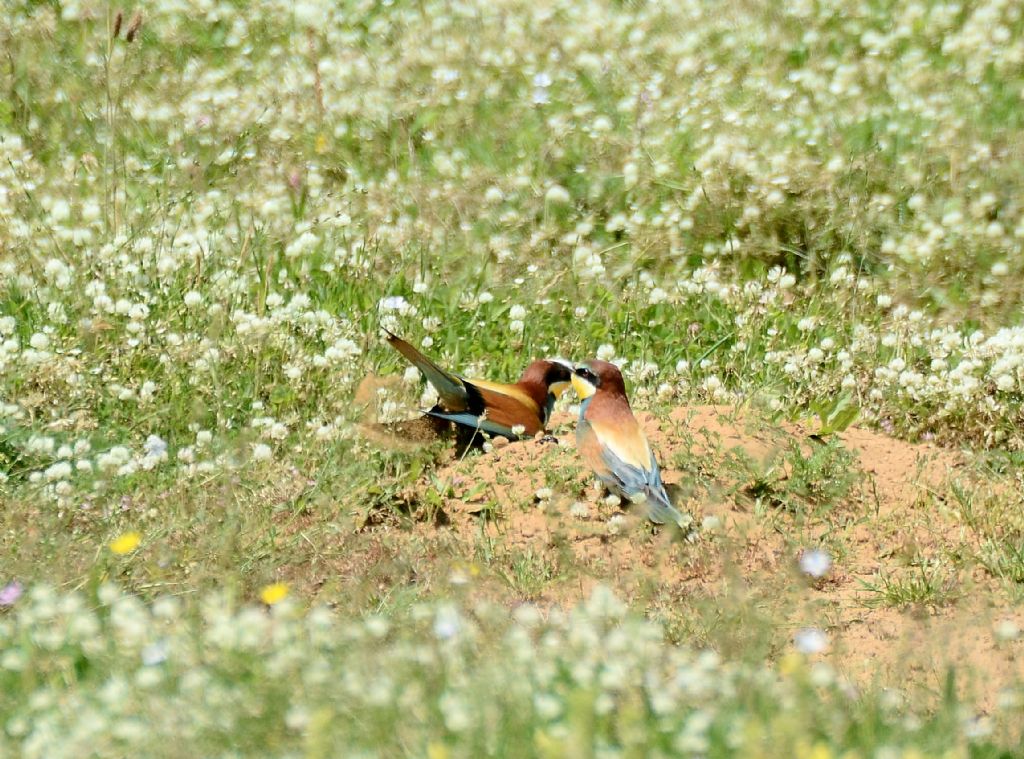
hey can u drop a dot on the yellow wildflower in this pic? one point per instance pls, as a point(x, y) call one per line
point(817, 751)
point(437, 750)
point(126, 543)
point(791, 663)
point(274, 593)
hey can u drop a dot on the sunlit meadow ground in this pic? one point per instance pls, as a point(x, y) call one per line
point(208, 210)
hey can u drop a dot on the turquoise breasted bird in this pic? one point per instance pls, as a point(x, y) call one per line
point(610, 440)
point(493, 407)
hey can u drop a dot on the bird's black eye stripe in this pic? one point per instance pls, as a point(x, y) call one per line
point(587, 374)
point(557, 373)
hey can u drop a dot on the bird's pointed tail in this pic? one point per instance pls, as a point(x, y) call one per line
point(449, 387)
point(661, 511)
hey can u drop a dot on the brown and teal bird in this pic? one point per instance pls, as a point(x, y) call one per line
point(496, 408)
point(610, 440)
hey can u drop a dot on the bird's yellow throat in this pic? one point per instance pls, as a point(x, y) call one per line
point(557, 388)
point(583, 388)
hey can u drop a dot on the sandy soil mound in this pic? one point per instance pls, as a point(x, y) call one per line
point(744, 480)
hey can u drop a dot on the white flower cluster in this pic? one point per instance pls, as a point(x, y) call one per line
point(113, 675)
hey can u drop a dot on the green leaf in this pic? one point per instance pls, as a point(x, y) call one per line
point(835, 415)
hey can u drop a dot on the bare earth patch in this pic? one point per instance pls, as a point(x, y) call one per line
point(526, 523)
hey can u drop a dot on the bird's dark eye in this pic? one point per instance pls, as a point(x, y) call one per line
point(587, 374)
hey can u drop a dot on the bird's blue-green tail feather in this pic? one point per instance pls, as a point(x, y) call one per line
point(661, 510)
point(449, 387)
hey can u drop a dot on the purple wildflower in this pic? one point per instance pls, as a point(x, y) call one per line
point(10, 593)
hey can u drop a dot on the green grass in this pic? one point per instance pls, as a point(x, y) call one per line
point(919, 586)
point(807, 217)
point(816, 476)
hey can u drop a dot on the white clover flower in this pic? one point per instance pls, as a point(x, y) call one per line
point(59, 471)
point(262, 452)
point(411, 376)
point(612, 501)
point(839, 275)
point(1007, 629)
point(606, 352)
point(447, 622)
point(429, 397)
point(603, 603)
point(579, 510)
point(630, 174)
point(710, 523)
point(60, 210)
point(517, 313)
point(1009, 699)
point(616, 524)
point(810, 640)
point(455, 711)
point(557, 195)
point(547, 706)
point(616, 223)
point(815, 563)
point(693, 737)
point(155, 446)
point(138, 311)
point(396, 303)
point(977, 727)
point(147, 390)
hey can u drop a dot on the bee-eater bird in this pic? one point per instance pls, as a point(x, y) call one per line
point(493, 407)
point(610, 440)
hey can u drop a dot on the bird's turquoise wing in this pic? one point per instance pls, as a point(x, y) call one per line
point(627, 479)
point(467, 419)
